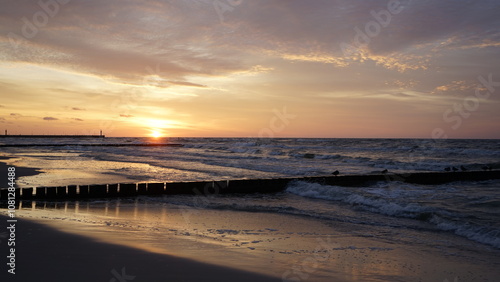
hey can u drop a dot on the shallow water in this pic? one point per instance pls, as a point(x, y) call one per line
point(459, 220)
point(470, 210)
point(289, 245)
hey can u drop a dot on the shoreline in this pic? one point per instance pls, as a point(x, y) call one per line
point(37, 176)
point(20, 172)
point(44, 252)
point(277, 245)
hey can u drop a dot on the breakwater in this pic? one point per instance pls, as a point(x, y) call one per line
point(96, 145)
point(207, 188)
point(52, 136)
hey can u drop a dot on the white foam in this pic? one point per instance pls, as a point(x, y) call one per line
point(482, 234)
point(387, 201)
point(349, 196)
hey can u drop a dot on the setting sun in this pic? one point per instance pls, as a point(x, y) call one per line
point(156, 133)
point(157, 127)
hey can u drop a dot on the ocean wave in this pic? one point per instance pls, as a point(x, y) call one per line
point(402, 202)
point(482, 234)
point(346, 195)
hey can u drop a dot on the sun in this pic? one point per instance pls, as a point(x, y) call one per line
point(157, 128)
point(156, 133)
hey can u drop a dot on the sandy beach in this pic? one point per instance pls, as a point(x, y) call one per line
point(159, 244)
point(46, 254)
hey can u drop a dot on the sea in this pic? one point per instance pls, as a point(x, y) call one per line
point(419, 214)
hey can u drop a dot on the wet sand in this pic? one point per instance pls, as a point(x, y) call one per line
point(20, 172)
point(46, 254)
point(57, 173)
point(288, 248)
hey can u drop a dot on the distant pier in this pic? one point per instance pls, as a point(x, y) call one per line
point(6, 135)
point(237, 186)
point(96, 145)
point(80, 144)
point(52, 136)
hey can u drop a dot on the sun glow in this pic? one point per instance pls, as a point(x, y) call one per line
point(158, 127)
point(156, 133)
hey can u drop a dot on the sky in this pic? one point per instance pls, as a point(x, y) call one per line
point(251, 68)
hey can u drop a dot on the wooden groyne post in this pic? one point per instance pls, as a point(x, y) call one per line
point(244, 186)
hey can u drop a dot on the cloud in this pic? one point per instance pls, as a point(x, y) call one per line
point(401, 95)
point(77, 119)
point(403, 84)
point(265, 53)
point(15, 115)
point(314, 30)
point(456, 87)
point(118, 40)
point(127, 40)
point(50, 118)
point(187, 83)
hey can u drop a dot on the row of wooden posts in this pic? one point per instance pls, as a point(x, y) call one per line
point(235, 186)
point(135, 189)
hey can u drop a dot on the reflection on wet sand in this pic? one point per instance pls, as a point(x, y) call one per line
point(273, 244)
